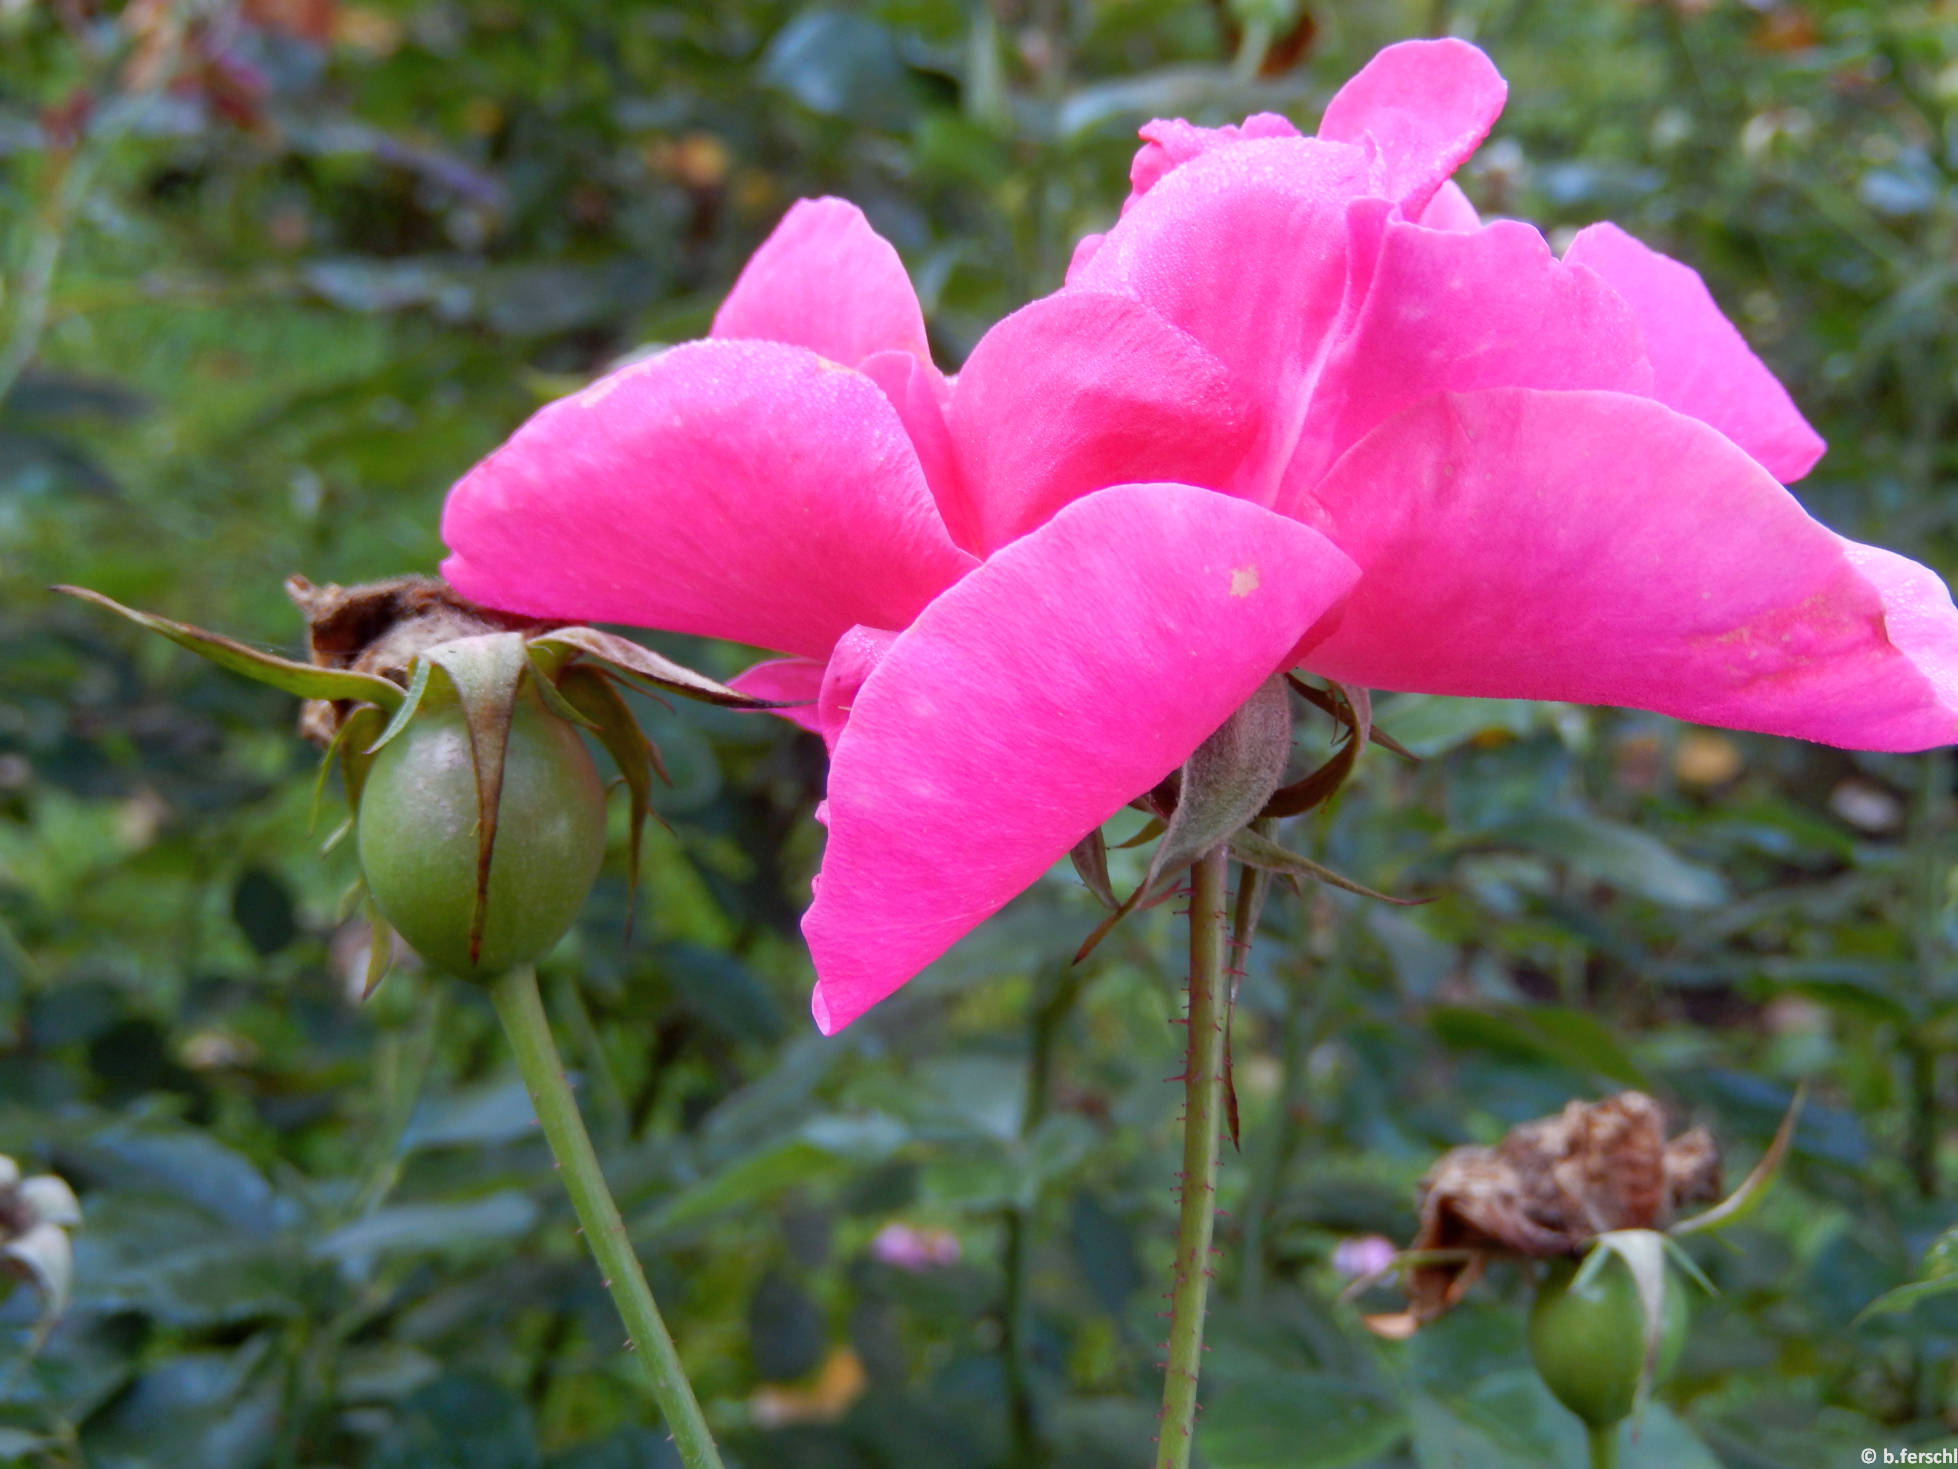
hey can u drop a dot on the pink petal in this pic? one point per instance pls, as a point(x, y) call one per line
point(793, 681)
point(1065, 676)
point(827, 281)
point(1245, 248)
point(858, 652)
point(739, 490)
point(1171, 142)
point(1605, 549)
point(921, 396)
point(1700, 363)
point(1080, 391)
point(1084, 251)
point(1426, 105)
point(1450, 210)
point(1449, 312)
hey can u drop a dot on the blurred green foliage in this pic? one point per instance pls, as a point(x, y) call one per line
point(278, 271)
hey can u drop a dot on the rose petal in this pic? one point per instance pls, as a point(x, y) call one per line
point(1080, 391)
point(827, 281)
point(921, 396)
point(739, 490)
point(1450, 210)
point(858, 652)
point(1084, 251)
point(796, 682)
point(1170, 142)
point(1451, 312)
point(1068, 674)
point(1426, 105)
point(1700, 363)
point(1605, 549)
point(1245, 248)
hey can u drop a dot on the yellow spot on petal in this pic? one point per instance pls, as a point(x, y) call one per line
point(1244, 581)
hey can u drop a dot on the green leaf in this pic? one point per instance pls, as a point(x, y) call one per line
point(17, 1444)
point(1937, 1276)
point(1462, 1435)
point(824, 1146)
point(1901, 1298)
point(433, 1228)
point(1573, 1038)
point(460, 1422)
point(1431, 724)
point(261, 906)
point(307, 680)
point(481, 1117)
point(1620, 856)
point(1296, 1420)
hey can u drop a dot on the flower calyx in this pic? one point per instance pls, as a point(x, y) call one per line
point(479, 815)
point(1230, 792)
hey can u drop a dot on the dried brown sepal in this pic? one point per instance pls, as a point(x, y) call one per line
point(1326, 703)
point(1254, 849)
point(1090, 858)
point(379, 627)
point(1252, 888)
point(596, 698)
point(1319, 786)
point(1551, 1187)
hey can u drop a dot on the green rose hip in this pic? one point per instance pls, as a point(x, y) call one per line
point(1588, 1341)
point(418, 836)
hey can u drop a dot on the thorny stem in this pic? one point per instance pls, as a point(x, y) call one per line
point(521, 1009)
point(1202, 1145)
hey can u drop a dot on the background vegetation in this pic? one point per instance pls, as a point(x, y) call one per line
point(277, 271)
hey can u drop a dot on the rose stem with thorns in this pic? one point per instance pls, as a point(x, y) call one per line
point(1202, 1145)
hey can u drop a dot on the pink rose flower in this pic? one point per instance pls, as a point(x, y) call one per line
point(1298, 407)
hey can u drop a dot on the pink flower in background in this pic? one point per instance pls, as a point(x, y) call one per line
point(908, 1247)
point(1297, 407)
point(1361, 1255)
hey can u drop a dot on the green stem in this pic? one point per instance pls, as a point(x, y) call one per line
point(521, 1009)
point(1604, 1445)
point(1203, 1086)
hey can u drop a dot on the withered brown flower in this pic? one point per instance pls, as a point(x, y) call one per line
point(1549, 1188)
